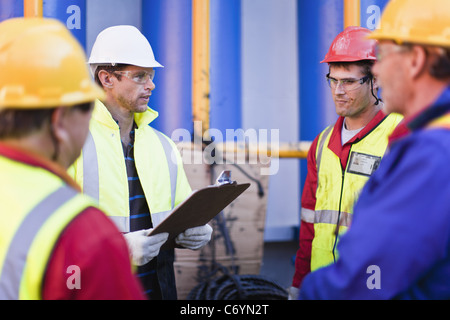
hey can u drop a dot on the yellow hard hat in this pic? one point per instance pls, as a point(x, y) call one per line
point(42, 66)
point(415, 21)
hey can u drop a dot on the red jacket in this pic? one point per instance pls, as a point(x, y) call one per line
point(308, 201)
point(91, 242)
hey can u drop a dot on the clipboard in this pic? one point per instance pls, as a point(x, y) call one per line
point(198, 209)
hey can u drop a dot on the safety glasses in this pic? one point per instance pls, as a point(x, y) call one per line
point(346, 84)
point(139, 77)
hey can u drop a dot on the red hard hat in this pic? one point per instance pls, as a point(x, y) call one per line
point(351, 45)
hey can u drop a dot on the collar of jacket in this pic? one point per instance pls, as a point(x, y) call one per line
point(102, 115)
point(422, 118)
point(335, 143)
point(35, 160)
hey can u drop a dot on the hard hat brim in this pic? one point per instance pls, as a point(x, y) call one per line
point(345, 59)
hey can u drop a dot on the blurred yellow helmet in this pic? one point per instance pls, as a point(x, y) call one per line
point(415, 21)
point(42, 66)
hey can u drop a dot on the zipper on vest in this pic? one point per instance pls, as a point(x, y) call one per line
point(336, 231)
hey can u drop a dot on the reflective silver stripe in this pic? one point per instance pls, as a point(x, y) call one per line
point(90, 169)
point(171, 162)
point(16, 256)
point(320, 148)
point(91, 178)
point(122, 223)
point(331, 217)
point(345, 219)
point(157, 218)
point(326, 216)
point(307, 215)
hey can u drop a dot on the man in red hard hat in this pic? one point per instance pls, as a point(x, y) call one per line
point(344, 155)
point(398, 244)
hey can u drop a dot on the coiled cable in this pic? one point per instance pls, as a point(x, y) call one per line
point(230, 286)
point(223, 283)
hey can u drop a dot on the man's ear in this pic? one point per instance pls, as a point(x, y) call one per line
point(105, 78)
point(58, 124)
point(418, 61)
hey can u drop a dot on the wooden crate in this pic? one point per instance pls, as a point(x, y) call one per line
point(238, 236)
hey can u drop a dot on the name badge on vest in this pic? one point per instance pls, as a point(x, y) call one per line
point(363, 164)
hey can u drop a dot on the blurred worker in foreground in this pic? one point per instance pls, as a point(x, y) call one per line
point(54, 242)
point(399, 244)
point(344, 155)
point(133, 170)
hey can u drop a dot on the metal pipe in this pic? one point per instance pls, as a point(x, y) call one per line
point(352, 13)
point(225, 78)
point(201, 64)
point(32, 8)
point(281, 150)
point(297, 150)
point(168, 26)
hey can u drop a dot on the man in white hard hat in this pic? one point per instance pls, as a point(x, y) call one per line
point(133, 170)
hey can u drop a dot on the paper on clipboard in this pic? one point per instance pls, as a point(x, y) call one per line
point(198, 209)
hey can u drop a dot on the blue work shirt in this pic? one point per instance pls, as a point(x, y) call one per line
point(398, 246)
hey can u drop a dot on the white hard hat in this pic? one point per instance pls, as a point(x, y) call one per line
point(122, 45)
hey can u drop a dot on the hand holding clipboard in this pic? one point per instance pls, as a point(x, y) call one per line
point(200, 207)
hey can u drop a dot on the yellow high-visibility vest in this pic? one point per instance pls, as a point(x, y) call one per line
point(338, 188)
point(101, 170)
point(36, 206)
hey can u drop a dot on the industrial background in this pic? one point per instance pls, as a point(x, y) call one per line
point(234, 64)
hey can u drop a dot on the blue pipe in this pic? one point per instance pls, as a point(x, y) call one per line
point(11, 9)
point(318, 24)
point(70, 12)
point(167, 24)
point(225, 73)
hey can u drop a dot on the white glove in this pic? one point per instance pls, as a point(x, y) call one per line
point(194, 238)
point(293, 293)
point(144, 248)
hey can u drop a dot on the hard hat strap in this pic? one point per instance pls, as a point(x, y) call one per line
point(378, 100)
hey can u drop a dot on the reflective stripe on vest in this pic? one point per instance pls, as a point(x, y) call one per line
point(15, 259)
point(326, 216)
point(320, 146)
point(91, 179)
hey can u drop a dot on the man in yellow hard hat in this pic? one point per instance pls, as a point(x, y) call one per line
point(54, 242)
point(134, 171)
point(398, 245)
point(344, 155)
